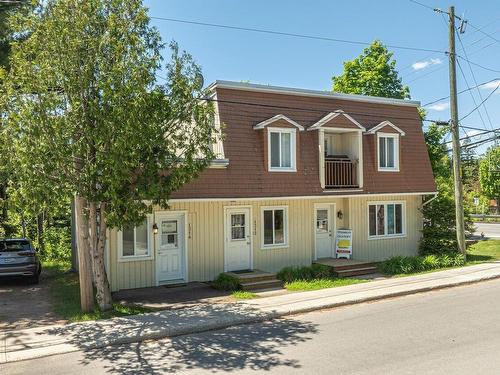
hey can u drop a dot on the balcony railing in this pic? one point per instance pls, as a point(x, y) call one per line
point(341, 173)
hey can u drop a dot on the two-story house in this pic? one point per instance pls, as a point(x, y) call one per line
point(294, 166)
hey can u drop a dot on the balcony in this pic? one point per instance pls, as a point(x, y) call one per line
point(340, 172)
point(341, 159)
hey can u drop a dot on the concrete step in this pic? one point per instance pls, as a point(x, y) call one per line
point(262, 285)
point(356, 271)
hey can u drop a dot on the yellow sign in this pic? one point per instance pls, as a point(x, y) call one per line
point(343, 243)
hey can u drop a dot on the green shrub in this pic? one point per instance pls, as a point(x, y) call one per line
point(315, 271)
point(57, 244)
point(226, 282)
point(405, 265)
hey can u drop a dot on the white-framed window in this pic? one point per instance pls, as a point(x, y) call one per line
point(274, 226)
point(386, 219)
point(281, 149)
point(388, 152)
point(135, 243)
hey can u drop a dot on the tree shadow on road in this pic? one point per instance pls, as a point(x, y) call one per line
point(256, 347)
point(248, 346)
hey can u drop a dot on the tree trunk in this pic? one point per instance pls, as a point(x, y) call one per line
point(98, 229)
point(39, 232)
point(84, 258)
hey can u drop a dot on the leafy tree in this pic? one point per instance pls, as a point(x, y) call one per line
point(372, 73)
point(86, 118)
point(470, 167)
point(489, 173)
point(439, 231)
point(7, 228)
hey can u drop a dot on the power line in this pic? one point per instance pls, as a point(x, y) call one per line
point(480, 104)
point(476, 135)
point(479, 65)
point(475, 82)
point(295, 35)
point(483, 32)
point(470, 92)
point(460, 92)
point(323, 111)
point(479, 143)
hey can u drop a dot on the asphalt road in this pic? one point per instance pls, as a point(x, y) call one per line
point(452, 331)
point(490, 230)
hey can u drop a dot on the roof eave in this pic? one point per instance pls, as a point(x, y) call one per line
point(310, 93)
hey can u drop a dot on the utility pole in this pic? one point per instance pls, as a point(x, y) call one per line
point(457, 173)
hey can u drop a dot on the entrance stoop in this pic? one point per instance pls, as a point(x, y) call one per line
point(256, 280)
point(349, 267)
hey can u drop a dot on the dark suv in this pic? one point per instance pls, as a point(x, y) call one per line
point(19, 258)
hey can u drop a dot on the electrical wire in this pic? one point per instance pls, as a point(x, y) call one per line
point(478, 65)
point(476, 135)
point(461, 92)
point(483, 32)
point(295, 35)
point(480, 104)
point(471, 95)
point(475, 82)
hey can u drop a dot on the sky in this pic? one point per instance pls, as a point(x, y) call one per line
point(279, 60)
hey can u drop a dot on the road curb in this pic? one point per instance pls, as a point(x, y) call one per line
point(47, 350)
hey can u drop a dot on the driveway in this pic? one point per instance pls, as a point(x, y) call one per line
point(490, 230)
point(23, 305)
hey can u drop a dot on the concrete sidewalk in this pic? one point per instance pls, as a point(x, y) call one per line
point(57, 339)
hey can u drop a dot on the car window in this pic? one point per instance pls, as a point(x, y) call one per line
point(14, 245)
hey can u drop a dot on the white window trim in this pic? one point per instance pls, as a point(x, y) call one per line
point(386, 236)
point(285, 227)
point(396, 152)
point(293, 147)
point(133, 258)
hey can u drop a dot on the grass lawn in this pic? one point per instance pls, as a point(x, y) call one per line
point(65, 293)
point(315, 284)
point(243, 294)
point(483, 251)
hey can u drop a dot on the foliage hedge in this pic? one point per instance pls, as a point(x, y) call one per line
point(226, 282)
point(313, 272)
point(404, 265)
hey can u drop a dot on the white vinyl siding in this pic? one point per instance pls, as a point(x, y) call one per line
point(388, 152)
point(281, 154)
point(205, 236)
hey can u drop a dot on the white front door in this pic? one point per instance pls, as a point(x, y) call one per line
point(238, 239)
point(324, 231)
point(170, 262)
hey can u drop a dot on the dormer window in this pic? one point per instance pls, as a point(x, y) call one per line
point(281, 143)
point(388, 152)
point(281, 154)
point(387, 145)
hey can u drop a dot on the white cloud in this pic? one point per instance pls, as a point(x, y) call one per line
point(491, 85)
point(440, 106)
point(424, 64)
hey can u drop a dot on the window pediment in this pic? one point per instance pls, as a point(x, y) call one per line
point(330, 118)
point(385, 126)
point(274, 119)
